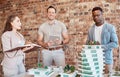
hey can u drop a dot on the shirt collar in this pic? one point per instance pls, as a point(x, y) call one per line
point(51, 23)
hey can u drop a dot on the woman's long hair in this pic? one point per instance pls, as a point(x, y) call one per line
point(8, 26)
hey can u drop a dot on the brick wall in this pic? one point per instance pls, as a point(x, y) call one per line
point(76, 14)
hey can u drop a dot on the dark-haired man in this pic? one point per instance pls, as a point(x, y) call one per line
point(105, 34)
point(51, 35)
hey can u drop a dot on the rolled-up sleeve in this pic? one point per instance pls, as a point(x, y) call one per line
point(40, 32)
point(6, 42)
point(64, 29)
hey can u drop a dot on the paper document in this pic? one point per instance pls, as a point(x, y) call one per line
point(21, 47)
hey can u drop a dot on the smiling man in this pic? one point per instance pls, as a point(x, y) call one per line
point(51, 35)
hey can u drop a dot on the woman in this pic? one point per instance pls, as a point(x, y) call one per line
point(13, 61)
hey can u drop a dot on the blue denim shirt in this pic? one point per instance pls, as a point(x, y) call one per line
point(109, 40)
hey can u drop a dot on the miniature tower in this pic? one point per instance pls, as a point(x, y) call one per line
point(91, 61)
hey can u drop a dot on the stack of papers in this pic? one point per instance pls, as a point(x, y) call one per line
point(24, 46)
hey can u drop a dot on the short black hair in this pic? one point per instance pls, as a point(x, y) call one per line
point(97, 8)
point(51, 7)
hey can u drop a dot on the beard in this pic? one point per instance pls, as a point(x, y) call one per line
point(99, 22)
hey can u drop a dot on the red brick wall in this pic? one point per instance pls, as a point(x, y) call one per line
point(76, 14)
